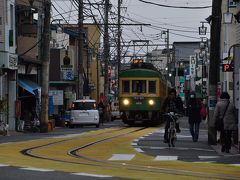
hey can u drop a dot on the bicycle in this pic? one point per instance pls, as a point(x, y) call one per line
point(172, 132)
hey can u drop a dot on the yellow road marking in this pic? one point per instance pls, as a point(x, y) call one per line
point(11, 154)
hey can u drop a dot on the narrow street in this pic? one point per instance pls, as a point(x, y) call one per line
point(97, 153)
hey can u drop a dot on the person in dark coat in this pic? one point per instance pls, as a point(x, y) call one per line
point(194, 117)
point(229, 122)
point(171, 104)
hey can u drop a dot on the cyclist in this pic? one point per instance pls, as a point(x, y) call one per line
point(172, 104)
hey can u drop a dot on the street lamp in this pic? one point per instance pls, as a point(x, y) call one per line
point(202, 30)
point(227, 16)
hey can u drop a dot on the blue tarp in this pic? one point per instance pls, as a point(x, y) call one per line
point(29, 86)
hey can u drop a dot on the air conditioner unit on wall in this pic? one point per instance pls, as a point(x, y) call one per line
point(8, 61)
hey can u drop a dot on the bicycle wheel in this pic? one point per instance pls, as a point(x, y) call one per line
point(170, 137)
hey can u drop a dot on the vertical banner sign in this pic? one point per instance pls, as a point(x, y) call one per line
point(192, 66)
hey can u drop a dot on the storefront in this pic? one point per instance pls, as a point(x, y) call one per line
point(29, 94)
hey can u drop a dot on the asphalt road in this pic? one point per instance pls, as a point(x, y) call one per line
point(185, 149)
point(152, 144)
point(16, 173)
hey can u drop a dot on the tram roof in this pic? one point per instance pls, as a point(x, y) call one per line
point(139, 73)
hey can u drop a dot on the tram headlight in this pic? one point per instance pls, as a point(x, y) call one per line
point(126, 102)
point(151, 102)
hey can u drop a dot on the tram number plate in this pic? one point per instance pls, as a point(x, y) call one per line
point(138, 97)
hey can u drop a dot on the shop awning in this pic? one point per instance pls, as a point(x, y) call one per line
point(30, 86)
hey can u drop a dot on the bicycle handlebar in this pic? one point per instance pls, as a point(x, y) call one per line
point(173, 114)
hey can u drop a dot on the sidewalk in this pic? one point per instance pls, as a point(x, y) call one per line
point(204, 137)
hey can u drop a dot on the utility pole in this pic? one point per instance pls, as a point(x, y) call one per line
point(119, 38)
point(168, 51)
point(80, 50)
point(214, 66)
point(106, 49)
point(45, 67)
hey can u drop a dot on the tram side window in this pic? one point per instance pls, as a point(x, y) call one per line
point(152, 87)
point(139, 86)
point(125, 86)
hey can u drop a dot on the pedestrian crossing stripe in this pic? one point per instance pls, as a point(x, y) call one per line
point(139, 150)
point(207, 157)
point(166, 158)
point(122, 157)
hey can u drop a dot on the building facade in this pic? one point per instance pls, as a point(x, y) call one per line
point(8, 63)
point(64, 66)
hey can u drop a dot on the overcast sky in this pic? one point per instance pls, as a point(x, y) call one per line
point(182, 23)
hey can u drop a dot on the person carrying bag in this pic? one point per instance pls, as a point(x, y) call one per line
point(219, 124)
point(224, 119)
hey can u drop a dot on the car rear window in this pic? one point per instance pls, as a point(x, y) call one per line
point(83, 106)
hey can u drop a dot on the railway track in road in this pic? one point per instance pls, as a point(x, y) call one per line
point(74, 152)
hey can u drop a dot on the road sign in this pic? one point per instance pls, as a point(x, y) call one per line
point(227, 68)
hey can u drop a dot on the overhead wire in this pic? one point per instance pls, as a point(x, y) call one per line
point(180, 7)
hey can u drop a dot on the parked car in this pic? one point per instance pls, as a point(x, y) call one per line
point(115, 113)
point(84, 112)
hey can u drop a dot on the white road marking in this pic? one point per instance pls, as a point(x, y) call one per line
point(135, 140)
point(160, 131)
point(4, 165)
point(134, 144)
point(157, 147)
point(235, 165)
point(122, 157)
point(66, 136)
point(7, 143)
point(91, 175)
point(207, 157)
point(166, 158)
point(139, 150)
point(183, 136)
point(204, 162)
point(37, 169)
point(176, 148)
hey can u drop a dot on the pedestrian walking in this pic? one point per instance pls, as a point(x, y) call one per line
point(194, 117)
point(171, 104)
point(224, 121)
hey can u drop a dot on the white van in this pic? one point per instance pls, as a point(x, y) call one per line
point(84, 112)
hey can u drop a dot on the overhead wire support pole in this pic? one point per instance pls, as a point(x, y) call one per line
point(45, 68)
point(119, 38)
point(214, 66)
point(80, 50)
point(168, 52)
point(106, 49)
